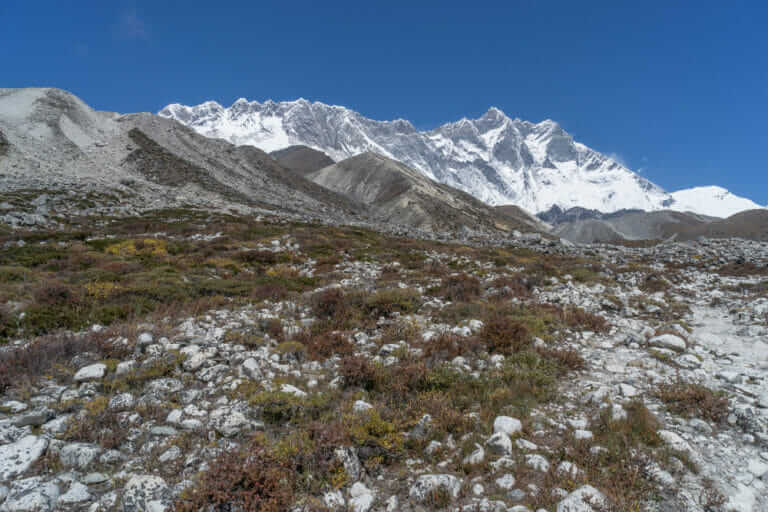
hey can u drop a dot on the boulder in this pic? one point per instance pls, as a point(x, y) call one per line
point(16, 458)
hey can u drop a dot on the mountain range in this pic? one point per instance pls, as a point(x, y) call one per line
point(60, 159)
point(496, 159)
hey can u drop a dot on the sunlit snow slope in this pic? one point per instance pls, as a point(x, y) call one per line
point(497, 159)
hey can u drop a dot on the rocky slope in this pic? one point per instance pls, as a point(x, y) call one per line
point(373, 374)
point(68, 153)
point(302, 159)
point(401, 195)
point(497, 159)
point(589, 226)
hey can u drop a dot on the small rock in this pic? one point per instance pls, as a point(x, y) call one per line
point(427, 485)
point(78, 455)
point(506, 482)
point(145, 493)
point(361, 497)
point(507, 425)
point(582, 499)
point(77, 493)
point(668, 341)
point(361, 406)
point(91, 372)
point(499, 444)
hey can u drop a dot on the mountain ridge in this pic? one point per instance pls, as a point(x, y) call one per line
point(495, 158)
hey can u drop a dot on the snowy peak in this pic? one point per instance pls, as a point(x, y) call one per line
point(715, 201)
point(495, 158)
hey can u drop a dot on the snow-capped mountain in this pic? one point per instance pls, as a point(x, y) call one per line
point(495, 158)
point(714, 201)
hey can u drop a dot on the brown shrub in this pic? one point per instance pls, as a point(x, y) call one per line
point(250, 478)
point(689, 399)
point(40, 356)
point(460, 288)
point(576, 317)
point(358, 371)
point(566, 359)
point(505, 335)
point(447, 345)
point(55, 293)
point(513, 286)
point(323, 345)
point(99, 425)
point(330, 303)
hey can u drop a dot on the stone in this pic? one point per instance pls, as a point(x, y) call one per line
point(145, 493)
point(427, 485)
point(251, 369)
point(334, 500)
point(618, 413)
point(91, 372)
point(94, 478)
point(78, 455)
point(507, 425)
point(582, 499)
point(433, 447)
point(582, 435)
point(348, 458)
point(16, 458)
point(361, 497)
point(31, 495)
point(688, 362)
point(499, 444)
point(566, 468)
point(122, 402)
point(668, 341)
point(537, 462)
point(14, 406)
point(628, 391)
point(171, 454)
point(526, 445)
point(228, 422)
point(213, 373)
point(145, 338)
point(33, 417)
point(422, 428)
point(77, 493)
point(476, 457)
point(125, 367)
point(361, 406)
point(506, 482)
point(293, 390)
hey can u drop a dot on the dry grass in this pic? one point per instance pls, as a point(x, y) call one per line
point(693, 400)
point(251, 478)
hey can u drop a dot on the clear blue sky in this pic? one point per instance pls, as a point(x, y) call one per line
point(679, 92)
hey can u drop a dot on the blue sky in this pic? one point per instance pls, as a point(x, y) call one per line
point(676, 90)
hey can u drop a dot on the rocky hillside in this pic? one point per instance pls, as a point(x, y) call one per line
point(302, 159)
point(400, 195)
point(497, 159)
point(74, 160)
point(589, 226)
point(225, 363)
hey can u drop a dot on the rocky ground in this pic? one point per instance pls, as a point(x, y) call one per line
point(314, 368)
